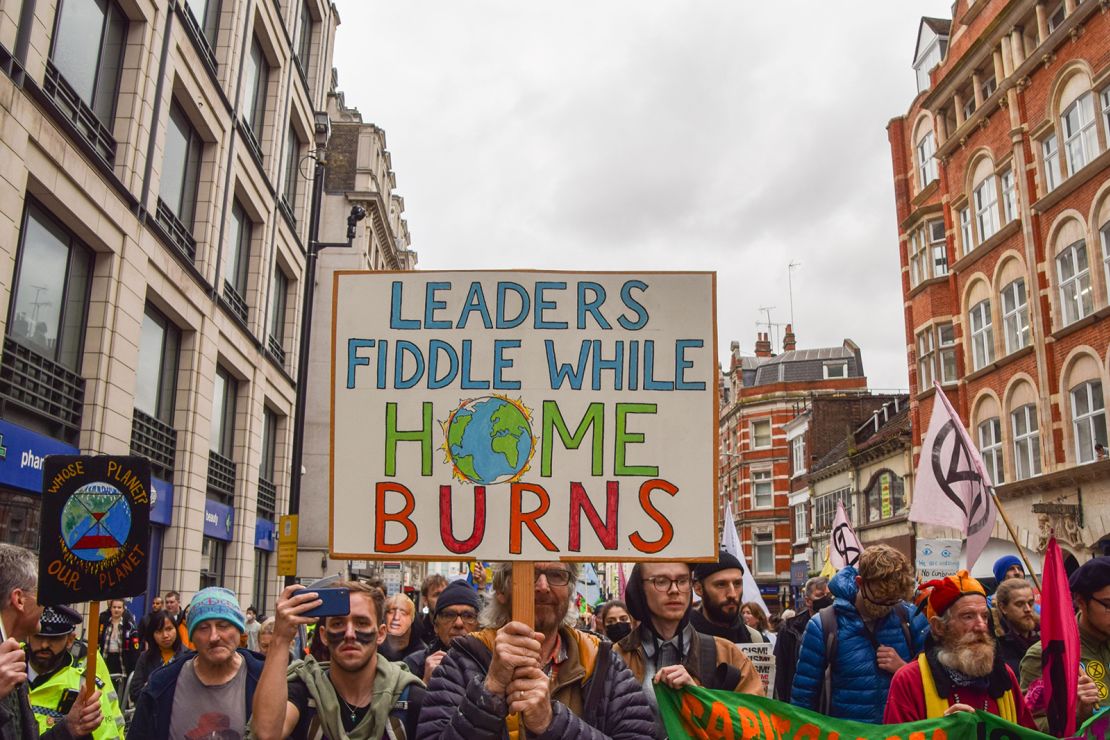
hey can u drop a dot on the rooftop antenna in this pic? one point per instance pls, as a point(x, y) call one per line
point(772, 327)
point(790, 286)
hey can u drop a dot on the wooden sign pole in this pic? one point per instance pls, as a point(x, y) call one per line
point(524, 593)
point(93, 640)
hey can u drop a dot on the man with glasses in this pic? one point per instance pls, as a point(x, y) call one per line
point(556, 681)
point(1090, 588)
point(358, 695)
point(667, 649)
point(850, 653)
point(456, 614)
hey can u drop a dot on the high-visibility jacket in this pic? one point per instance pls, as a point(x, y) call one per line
point(48, 692)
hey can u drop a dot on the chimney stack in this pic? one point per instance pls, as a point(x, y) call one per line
point(789, 342)
point(763, 345)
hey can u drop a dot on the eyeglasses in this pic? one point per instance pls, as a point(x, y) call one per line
point(662, 583)
point(554, 576)
point(448, 617)
point(1105, 604)
point(867, 594)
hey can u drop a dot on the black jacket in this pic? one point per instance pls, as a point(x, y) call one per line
point(1012, 646)
point(737, 632)
point(787, 647)
point(458, 707)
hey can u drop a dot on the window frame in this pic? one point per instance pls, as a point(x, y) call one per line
point(1081, 301)
point(1091, 419)
point(169, 358)
point(1084, 137)
point(985, 198)
point(109, 8)
point(967, 235)
point(760, 541)
point(185, 209)
point(755, 437)
point(279, 306)
point(209, 24)
point(289, 189)
point(926, 160)
point(255, 110)
point(989, 434)
point(1027, 444)
point(926, 359)
point(1009, 196)
point(827, 368)
point(897, 496)
point(946, 350)
point(760, 478)
point(1050, 157)
point(1016, 330)
point(798, 454)
point(981, 334)
point(208, 557)
point(222, 437)
point(237, 274)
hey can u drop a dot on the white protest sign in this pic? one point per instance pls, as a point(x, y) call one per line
point(762, 656)
point(524, 416)
point(937, 558)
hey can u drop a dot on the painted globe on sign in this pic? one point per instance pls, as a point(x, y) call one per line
point(96, 521)
point(489, 440)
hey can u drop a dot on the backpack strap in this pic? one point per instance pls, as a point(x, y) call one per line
point(406, 711)
point(597, 683)
point(904, 618)
point(829, 629)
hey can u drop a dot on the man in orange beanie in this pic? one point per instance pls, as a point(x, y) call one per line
point(960, 670)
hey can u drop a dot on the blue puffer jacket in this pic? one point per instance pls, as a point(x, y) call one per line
point(859, 688)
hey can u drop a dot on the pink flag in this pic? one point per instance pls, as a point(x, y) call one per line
point(621, 581)
point(844, 546)
point(952, 487)
point(1060, 643)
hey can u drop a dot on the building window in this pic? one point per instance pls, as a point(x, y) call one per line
point(88, 52)
point(763, 489)
point(967, 238)
point(1027, 442)
point(885, 497)
point(969, 104)
point(1088, 421)
point(261, 592)
point(926, 160)
point(181, 167)
point(764, 550)
point(937, 247)
point(256, 81)
point(213, 556)
point(267, 468)
point(982, 334)
point(277, 314)
point(20, 519)
point(986, 208)
point(1104, 232)
point(1050, 152)
point(990, 448)
point(156, 374)
point(824, 509)
point(761, 433)
point(1075, 283)
point(207, 15)
point(926, 358)
point(304, 37)
point(1080, 137)
point(1009, 196)
point(1105, 95)
point(224, 392)
point(1056, 17)
point(49, 309)
point(1015, 316)
point(292, 169)
point(798, 454)
point(929, 253)
point(801, 530)
point(946, 341)
point(237, 261)
point(836, 370)
point(988, 86)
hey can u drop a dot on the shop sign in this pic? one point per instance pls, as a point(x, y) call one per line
point(287, 545)
point(219, 520)
point(265, 534)
point(22, 453)
point(799, 574)
point(769, 590)
point(161, 501)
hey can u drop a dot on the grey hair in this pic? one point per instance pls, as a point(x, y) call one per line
point(497, 615)
point(813, 583)
point(19, 568)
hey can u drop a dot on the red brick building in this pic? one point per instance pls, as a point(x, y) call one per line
point(759, 395)
point(1003, 203)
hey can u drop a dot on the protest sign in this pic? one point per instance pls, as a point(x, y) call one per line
point(524, 416)
point(762, 656)
point(937, 558)
point(700, 713)
point(95, 529)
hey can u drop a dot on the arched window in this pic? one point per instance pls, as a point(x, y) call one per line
point(1088, 410)
point(1073, 274)
point(980, 326)
point(885, 495)
point(984, 193)
point(925, 146)
point(988, 437)
point(1025, 432)
point(1014, 306)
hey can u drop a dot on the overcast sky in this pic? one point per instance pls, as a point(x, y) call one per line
point(642, 134)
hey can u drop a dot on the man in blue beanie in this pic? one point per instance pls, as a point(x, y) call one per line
point(211, 691)
point(455, 614)
point(1008, 566)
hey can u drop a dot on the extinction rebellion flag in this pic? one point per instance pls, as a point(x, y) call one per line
point(95, 529)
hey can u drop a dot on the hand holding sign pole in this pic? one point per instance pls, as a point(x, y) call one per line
point(94, 535)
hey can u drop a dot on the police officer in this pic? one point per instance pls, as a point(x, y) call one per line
point(55, 678)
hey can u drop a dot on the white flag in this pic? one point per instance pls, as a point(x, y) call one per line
point(952, 487)
point(730, 543)
point(844, 546)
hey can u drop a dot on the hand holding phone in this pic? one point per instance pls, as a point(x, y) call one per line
point(336, 602)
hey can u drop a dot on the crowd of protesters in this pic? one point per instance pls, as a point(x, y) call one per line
point(869, 644)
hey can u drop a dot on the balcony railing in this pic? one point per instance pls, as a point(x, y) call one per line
point(41, 385)
point(78, 112)
point(267, 498)
point(177, 232)
point(276, 350)
point(155, 439)
point(253, 144)
point(200, 41)
point(221, 477)
point(235, 301)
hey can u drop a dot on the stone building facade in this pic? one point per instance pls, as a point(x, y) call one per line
point(1003, 205)
point(154, 211)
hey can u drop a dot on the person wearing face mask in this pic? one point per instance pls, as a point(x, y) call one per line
point(789, 643)
point(871, 635)
point(614, 619)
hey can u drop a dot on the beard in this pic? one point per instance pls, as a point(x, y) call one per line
point(550, 612)
point(872, 612)
point(1023, 624)
point(971, 655)
point(45, 661)
point(723, 613)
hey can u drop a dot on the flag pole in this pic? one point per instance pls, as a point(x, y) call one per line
point(1013, 536)
point(93, 640)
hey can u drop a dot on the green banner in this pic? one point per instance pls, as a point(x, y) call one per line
point(702, 714)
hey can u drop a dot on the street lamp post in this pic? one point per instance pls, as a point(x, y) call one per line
point(322, 133)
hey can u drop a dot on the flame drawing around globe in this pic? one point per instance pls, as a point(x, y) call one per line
point(96, 521)
point(489, 440)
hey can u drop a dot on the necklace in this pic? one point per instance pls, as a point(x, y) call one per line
point(351, 709)
point(956, 696)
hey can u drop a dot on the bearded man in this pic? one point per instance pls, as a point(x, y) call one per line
point(960, 669)
point(720, 586)
point(1016, 622)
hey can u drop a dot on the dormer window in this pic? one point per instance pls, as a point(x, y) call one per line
point(932, 43)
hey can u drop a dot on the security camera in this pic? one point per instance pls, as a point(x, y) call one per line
point(357, 214)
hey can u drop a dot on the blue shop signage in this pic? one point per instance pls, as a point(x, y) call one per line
point(161, 501)
point(21, 455)
point(265, 534)
point(219, 520)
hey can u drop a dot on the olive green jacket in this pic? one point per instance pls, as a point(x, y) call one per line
point(1094, 659)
